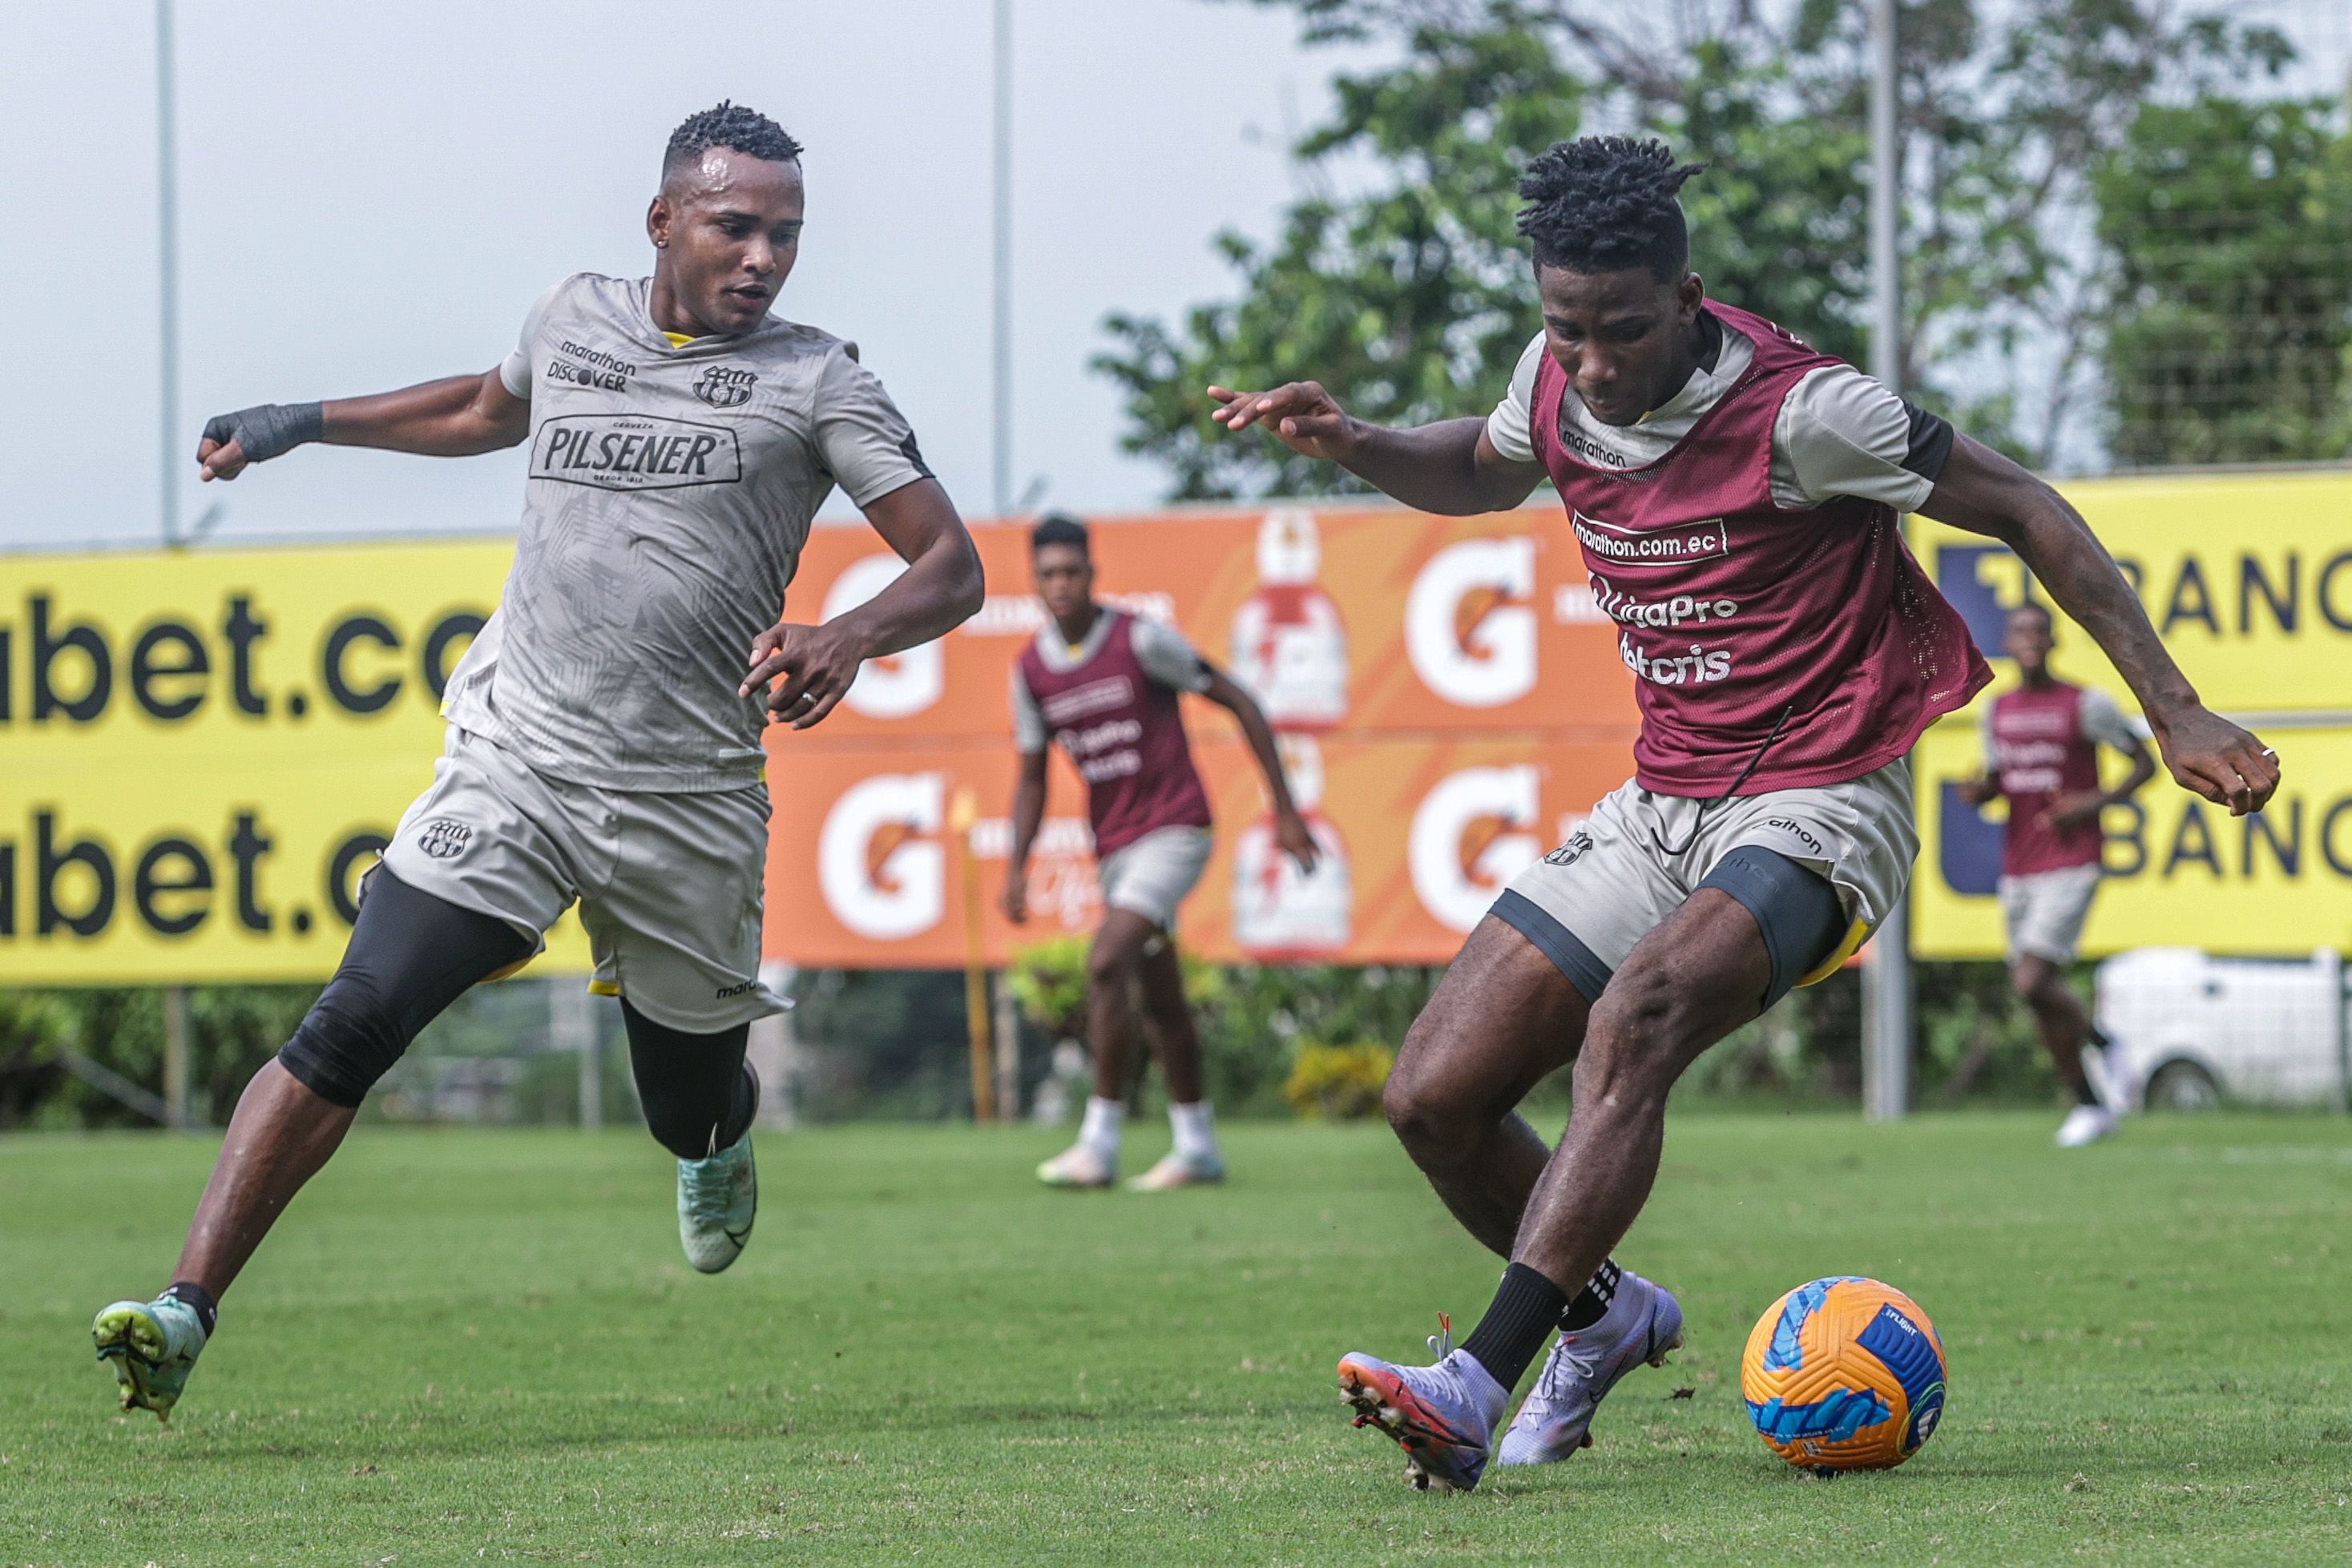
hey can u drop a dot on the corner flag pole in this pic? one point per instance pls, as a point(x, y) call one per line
point(1887, 964)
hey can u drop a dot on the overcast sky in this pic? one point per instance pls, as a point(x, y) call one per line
point(372, 196)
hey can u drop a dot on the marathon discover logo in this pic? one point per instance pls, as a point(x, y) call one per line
point(635, 452)
point(1704, 541)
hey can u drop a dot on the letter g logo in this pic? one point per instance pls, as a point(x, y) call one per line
point(1470, 623)
point(1470, 837)
point(901, 683)
point(878, 857)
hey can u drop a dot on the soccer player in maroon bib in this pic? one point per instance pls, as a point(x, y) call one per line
point(1736, 496)
point(2042, 743)
point(1105, 684)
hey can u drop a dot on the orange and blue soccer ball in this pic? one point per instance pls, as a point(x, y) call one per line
point(1845, 1373)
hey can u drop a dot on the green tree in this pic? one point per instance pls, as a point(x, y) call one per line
point(2229, 225)
point(1412, 298)
point(1411, 301)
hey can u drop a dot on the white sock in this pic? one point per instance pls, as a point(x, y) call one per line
point(1099, 1131)
point(1195, 1129)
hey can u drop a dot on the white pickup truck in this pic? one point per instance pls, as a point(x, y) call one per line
point(2191, 1030)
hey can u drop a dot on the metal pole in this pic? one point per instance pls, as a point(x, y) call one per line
point(167, 241)
point(1001, 411)
point(1008, 1049)
point(1886, 969)
point(175, 1057)
point(571, 1026)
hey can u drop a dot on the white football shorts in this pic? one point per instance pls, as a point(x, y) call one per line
point(669, 884)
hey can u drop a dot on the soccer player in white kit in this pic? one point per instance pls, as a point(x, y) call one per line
point(604, 728)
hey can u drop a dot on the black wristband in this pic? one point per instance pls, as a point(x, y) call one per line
point(269, 430)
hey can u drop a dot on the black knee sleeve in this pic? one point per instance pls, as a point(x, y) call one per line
point(1796, 908)
point(698, 1094)
point(410, 955)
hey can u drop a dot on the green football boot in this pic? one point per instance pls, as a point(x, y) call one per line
point(153, 1345)
point(719, 1197)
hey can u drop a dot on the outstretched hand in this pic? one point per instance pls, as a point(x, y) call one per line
point(1301, 416)
point(2210, 756)
point(818, 662)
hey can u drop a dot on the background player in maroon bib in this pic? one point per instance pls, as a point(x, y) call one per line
point(1104, 685)
point(1736, 497)
point(2041, 741)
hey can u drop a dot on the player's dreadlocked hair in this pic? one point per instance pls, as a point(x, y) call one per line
point(731, 125)
point(1057, 528)
point(1606, 203)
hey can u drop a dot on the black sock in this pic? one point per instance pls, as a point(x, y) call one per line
point(1592, 1304)
point(196, 1296)
point(1525, 1309)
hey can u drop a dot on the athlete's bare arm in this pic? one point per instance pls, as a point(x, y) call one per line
point(1290, 829)
point(940, 589)
point(456, 416)
point(1985, 493)
point(1028, 813)
point(1449, 467)
point(2076, 810)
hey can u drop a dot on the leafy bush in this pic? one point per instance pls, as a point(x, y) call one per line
point(1339, 1083)
point(1049, 982)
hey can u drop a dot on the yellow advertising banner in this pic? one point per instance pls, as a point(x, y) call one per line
point(2247, 577)
point(205, 749)
point(202, 751)
point(2181, 871)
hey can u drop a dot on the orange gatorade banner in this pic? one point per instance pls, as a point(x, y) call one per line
point(1351, 621)
point(1418, 837)
point(1447, 691)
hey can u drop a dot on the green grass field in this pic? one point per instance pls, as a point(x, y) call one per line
point(486, 1346)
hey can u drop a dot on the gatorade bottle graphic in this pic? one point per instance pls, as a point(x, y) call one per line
point(1280, 915)
point(1289, 647)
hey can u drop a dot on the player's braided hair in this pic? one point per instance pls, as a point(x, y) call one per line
point(731, 125)
point(1605, 203)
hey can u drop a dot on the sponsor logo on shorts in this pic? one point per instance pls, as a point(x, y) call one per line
point(743, 989)
point(1579, 845)
point(725, 386)
point(635, 452)
point(443, 838)
point(1796, 831)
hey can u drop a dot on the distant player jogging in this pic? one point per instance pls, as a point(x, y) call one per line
point(2041, 741)
point(1736, 496)
point(1105, 684)
point(604, 728)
